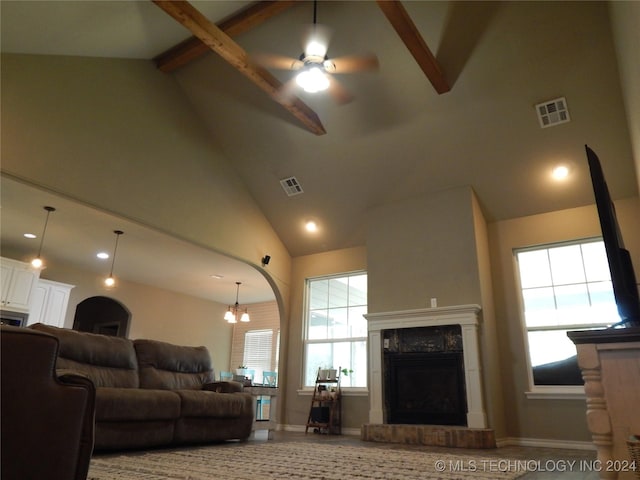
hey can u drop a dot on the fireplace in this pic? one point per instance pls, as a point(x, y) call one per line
point(424, 376)
point(451, 352)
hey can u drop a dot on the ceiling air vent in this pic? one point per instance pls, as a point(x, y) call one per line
point(552, 112)
point(291, 186)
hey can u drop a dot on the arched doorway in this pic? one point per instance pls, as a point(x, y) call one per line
point(102, 315)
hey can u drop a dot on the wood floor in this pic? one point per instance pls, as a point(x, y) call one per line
point(539, 463)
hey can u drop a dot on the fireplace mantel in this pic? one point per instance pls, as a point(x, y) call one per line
point(464, 315)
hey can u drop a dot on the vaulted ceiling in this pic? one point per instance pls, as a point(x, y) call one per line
point(404, 134)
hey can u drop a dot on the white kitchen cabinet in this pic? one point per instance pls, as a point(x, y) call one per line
point(18, 283)
point(49, 303)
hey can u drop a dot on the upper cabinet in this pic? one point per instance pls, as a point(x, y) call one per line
point(18, 283)
point(49, 303)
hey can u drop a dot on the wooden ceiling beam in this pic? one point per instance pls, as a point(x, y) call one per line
point(234, 54)
point(240, 22)
point(406, 29)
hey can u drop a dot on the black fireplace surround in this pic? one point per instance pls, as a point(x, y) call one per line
point(424, 376)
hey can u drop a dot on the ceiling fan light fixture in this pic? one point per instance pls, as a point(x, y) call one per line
point(315, 49)
point(312, 80)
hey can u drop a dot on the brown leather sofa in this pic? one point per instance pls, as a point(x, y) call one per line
point(47, 421)
point(151, 393)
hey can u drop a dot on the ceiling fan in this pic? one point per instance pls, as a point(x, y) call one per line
point(315, 67)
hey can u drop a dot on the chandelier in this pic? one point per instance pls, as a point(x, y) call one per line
point(231, 315)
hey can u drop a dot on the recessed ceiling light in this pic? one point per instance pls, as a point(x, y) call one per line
point(560, 172)
point(311, 226)
point(102, 255)
point(216, 276)
point(30, 235)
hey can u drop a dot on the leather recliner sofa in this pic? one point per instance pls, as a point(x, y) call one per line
point(151, 393)
point(47, 421)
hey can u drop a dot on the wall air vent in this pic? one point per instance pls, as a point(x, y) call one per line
point(291, 186)
point(553, 112)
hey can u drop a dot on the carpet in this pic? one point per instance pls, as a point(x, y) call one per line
point(296, 460)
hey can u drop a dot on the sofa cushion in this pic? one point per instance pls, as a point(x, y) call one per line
point(136, 404)
point(171, 367)
point(108, 361)
point(213, 404)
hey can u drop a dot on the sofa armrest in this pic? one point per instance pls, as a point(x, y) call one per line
point(73, 377)
point(223, 387)
point(62, 373)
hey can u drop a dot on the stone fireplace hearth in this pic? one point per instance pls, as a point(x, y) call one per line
point(466, 429)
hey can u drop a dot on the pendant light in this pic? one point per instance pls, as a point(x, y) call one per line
point(231, 314)
point(37, 262)
point(110, 281)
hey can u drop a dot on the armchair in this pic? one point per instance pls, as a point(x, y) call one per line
point(46, 421)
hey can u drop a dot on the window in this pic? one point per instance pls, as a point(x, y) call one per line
point(258, 345)
point(336, 330)
point(564, 287)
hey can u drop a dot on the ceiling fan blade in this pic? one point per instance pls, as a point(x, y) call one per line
point(288, 90)
point(315, 39)
point(280, 62)
point(354, 63)
point(339, 93)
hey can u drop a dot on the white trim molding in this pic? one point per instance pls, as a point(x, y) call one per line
point(553, 392)
point(545, 443)
point(464, 315)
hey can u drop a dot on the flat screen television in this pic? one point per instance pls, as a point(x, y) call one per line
point(625, 288)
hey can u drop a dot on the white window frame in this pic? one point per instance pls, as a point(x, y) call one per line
point(548, 391)
point(308, 389)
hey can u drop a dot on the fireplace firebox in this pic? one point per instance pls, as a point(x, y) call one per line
point(424, 376)
point(426, 389)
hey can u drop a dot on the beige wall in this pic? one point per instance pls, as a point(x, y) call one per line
point(120, 135)
point(625, 22)
point(543, 419)
point(423, 248)
point(355, 409)
point(155, 313)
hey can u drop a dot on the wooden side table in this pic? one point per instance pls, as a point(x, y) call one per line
point(265, 408)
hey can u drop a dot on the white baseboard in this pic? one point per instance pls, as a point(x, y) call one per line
point(544, 443)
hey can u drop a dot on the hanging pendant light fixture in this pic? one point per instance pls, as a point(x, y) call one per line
point(231, 314)
point(37, 262)
point(110, 281)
